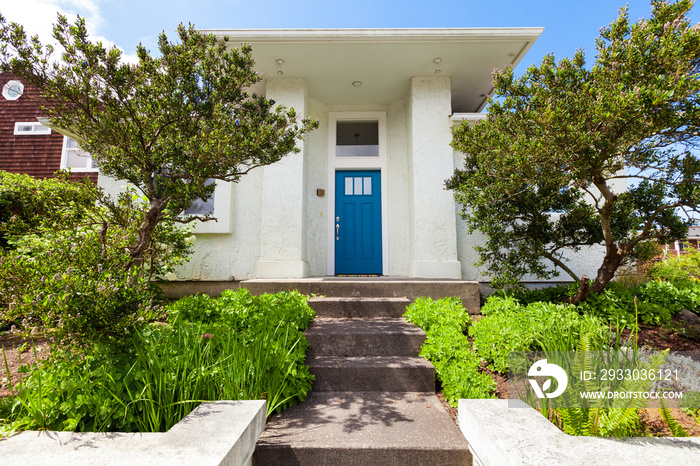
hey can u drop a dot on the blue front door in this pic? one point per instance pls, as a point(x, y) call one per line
point(358, 222)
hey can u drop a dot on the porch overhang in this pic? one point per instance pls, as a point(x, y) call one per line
point(385, 60)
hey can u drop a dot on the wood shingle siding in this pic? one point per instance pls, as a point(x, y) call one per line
point(38, 155)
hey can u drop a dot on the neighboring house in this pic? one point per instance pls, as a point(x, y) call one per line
point(692, 242)
point(27, 146)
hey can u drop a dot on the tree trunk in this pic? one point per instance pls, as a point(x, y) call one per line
point(150, 221)
point(582, 292)
point(606, 272)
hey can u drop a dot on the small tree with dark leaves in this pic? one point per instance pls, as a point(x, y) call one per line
point(570, 156)
point(168, 123)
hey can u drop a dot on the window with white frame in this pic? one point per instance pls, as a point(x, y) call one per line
point(30, 128)
point(200, 206)
point(357, 138)
point(74, 158)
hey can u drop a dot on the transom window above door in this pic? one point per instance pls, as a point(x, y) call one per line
point(357, 139)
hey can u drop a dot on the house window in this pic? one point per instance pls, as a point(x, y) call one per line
point(200, 206)
point(74, 158)
point(12, 90)
point(30, 128)
point(357, 139)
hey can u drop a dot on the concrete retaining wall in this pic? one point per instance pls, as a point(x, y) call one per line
point(215, 433)
point(499, 435)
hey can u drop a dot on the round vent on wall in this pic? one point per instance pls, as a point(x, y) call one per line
point(12, 90)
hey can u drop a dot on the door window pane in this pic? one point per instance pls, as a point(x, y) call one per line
point(358, 186)
point(367, 191)
point(348, 186)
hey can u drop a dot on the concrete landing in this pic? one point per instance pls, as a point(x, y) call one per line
point(345, 287)
point(380, 428)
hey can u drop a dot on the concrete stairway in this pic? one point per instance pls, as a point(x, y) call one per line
point(373, 401)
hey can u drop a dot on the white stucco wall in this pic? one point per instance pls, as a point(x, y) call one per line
point(433, 227)
point(316, 169)
point(283, 210)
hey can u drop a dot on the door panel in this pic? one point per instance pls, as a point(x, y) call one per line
point(358, 242)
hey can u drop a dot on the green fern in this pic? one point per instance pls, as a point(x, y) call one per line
point(619, 417)
point(676, 429)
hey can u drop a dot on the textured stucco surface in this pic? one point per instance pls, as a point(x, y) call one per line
point(431, 163)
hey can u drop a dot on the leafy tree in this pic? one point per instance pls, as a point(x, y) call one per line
point(570, 156)
point(167, 124)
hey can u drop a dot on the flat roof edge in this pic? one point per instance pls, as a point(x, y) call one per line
point(378, 35)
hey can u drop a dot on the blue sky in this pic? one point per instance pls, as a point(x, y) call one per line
point(569, 24)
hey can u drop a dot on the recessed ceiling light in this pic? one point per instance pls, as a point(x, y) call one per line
point(357, 83)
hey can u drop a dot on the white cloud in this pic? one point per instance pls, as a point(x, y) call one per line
point(38, 17)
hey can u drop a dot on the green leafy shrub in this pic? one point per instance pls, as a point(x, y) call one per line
point(28, 204)
point(165, 371)
point(684, 267)
point(616, 304)
point(673, 296)
point(551, 294)
point(509, 326)
point(446, 346)
point(76, 283)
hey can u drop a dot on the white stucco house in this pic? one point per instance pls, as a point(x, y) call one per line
point(366, 194)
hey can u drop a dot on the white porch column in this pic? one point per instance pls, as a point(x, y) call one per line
point(432, 208)
point(282, 232)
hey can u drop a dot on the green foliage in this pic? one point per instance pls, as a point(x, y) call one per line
point(595, 417)
point(541, 172)
point(456, 366)
point(28, 204)
point(550, 294)
point(167, 124)
point(616, 305)
point(673, 425)
point(508, 326)
point(657, 302)
point(684, 267)
point(74, 282)
point(690, 405)
point(672, 296)
point(165, 371)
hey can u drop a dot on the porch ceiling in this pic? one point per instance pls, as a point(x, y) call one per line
point(385, 60)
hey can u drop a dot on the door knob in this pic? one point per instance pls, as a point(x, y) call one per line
point(337, 231)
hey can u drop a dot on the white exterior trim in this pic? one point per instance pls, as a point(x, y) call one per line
point(357, 163)
point(64, 158)
point(36, 128)
point(472, 118)
point(222, 211)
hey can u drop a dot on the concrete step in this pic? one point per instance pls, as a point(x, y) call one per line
point(384, 287)
point(359, 307)
point(373, 428)
point(372, 373)
point(364, 337)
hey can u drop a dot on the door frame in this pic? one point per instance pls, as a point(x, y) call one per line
point(356, 163)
